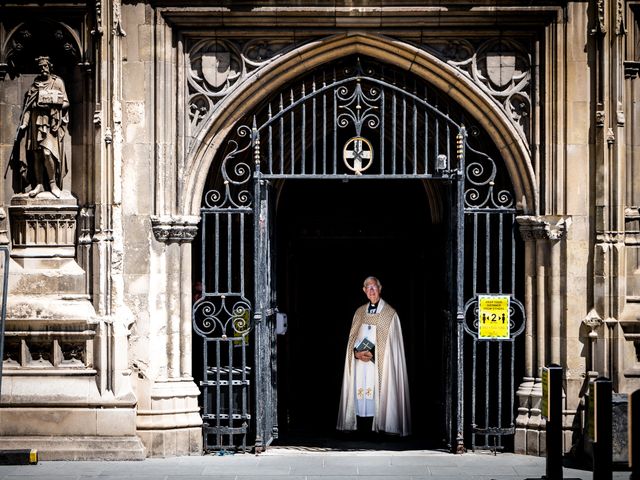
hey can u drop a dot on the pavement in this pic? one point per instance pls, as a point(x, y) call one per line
point(299, 463)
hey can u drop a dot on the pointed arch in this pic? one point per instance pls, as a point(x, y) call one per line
point(400, 54)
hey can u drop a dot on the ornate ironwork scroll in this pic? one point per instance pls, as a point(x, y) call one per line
point(482, 189)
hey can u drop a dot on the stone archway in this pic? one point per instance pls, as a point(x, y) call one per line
point(251, 146)
point(402, 55)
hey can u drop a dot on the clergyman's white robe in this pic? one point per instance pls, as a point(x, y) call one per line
point(391, 385)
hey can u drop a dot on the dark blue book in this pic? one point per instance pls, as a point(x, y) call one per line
point(365, 345)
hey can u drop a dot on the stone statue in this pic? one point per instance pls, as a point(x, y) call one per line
point(43, 125)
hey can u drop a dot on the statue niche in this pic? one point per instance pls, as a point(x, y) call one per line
point(42, 130)
point(42, 214)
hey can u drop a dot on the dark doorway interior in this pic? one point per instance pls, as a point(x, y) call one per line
point(330, 235)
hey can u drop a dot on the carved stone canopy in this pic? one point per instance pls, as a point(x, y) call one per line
point(59, 37)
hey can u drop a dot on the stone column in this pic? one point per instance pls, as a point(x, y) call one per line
point(169, 421)
point(543, 332)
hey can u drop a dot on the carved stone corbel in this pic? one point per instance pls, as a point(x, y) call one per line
point(593, 321)
point(175, 228)
point(543, 227)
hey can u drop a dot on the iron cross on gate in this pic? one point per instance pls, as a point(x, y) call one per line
point(359, 150)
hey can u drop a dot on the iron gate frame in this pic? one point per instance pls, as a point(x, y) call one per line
point(250, 158)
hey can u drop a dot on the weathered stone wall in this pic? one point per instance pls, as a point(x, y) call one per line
point(104, 320)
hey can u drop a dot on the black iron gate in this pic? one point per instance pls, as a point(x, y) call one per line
point(353, 120)
point(490, 273)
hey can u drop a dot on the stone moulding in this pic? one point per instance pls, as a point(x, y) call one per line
point(173, 228)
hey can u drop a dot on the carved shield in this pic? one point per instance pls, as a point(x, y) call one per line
point(501, 67)
point(216, 67)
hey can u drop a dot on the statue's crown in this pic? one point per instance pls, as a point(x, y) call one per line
point(43, 61)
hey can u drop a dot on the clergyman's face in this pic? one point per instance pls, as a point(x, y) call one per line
point(372, 291)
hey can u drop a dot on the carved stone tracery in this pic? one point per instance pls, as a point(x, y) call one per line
point(47, 350)
point(500, 67)
point(215, 67)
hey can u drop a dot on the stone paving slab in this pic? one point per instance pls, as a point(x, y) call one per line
point(284, 464)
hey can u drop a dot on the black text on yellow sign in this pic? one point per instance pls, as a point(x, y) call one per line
point(493, 316)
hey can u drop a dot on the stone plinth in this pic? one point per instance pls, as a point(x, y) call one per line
point(60, 447)
point(172, 424)
point(43, 228)
point(59, 391)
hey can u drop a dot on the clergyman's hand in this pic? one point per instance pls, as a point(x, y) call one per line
point(364, 356)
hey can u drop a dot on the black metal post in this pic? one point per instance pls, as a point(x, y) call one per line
point(602, 441)
point(634, 435)
point(459, 189)
point(3, 312)
point(554, 421)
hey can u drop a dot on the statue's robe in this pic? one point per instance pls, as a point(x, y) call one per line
point(46, 123)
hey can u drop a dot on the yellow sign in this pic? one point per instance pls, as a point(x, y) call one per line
point(544, 404)
point(493, 316)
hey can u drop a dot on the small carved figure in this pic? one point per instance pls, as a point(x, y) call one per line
point(43, 124)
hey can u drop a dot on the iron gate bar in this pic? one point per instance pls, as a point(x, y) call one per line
point(459, 288)
point(343, 177)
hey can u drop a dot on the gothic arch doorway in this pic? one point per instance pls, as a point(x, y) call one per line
point(363, 126)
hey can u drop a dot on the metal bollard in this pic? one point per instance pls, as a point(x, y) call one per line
point(552, 410)
point(600, 428)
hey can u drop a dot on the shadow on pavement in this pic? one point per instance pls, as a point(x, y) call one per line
point(352, 442)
